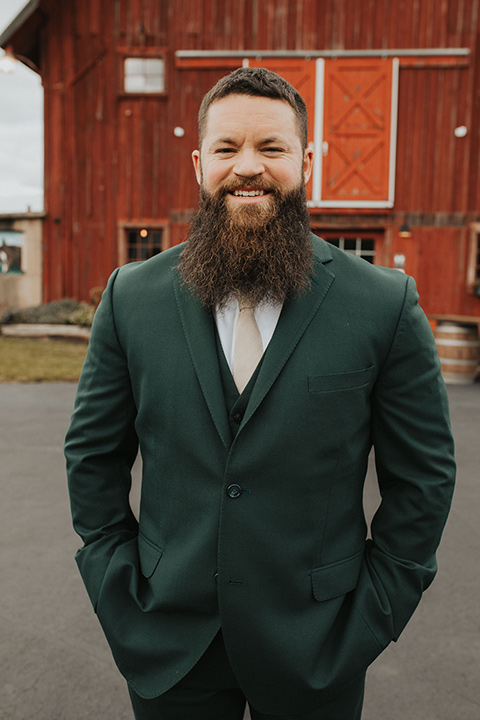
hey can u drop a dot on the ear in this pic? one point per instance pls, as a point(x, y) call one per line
point(307, 163)
point(196, 165)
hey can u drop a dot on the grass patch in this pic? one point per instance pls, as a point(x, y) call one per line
point(40, 360)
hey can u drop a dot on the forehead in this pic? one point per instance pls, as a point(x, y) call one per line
point(247, 114)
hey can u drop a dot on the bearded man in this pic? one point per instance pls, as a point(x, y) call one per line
point(256, 366)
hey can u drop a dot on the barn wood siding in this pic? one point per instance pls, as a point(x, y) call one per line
point(112, 158)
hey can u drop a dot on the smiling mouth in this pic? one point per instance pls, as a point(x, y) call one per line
point(249, 193)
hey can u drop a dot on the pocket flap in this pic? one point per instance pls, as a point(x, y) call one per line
point(331, 581)
point(150, 555)
point(340, 381)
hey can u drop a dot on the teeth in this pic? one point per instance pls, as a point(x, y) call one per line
point(248, 193)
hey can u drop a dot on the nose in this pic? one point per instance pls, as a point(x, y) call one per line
point(248, 164)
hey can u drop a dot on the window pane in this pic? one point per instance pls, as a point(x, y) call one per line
point(154, 83)
point(134, 83)
point(144, 75)
point(154, 66)
point(367, 244)
point(143, 244)
point(363, 247)
point(11, 244)
point(133, 66)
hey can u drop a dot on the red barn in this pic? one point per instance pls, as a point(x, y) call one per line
point(392, 88)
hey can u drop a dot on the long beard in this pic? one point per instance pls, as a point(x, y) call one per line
point(262, 252)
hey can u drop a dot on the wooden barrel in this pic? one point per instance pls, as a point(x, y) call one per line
point(458, 350)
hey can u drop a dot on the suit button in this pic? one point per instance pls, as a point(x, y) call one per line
point(234, 491)
point(215, 578)
point(238, 417)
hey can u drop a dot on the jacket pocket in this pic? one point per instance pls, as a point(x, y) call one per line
point(340, 381)
point(336, 579)
point(150, 555)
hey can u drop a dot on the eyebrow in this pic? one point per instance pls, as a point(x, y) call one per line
point(266, 141)
point(274, 139)
point(224, 141)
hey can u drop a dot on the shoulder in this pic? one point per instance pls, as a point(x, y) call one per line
point(361, 280)
point(156, 269)
point(137, 279)
point(140, 288)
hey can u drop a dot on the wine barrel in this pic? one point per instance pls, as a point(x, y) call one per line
point(458, 350)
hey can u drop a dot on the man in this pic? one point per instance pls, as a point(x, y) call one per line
point(249, 575)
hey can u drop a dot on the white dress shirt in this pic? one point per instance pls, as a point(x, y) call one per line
point(266, 316)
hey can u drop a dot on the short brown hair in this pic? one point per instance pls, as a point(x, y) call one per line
point(258, 82)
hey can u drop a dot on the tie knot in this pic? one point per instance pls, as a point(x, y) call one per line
point(245, 304)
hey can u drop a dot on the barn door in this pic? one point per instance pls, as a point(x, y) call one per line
point(352, 109)
point(355, 132)
point(301, 74)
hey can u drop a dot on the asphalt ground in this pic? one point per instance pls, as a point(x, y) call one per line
point(54, 661)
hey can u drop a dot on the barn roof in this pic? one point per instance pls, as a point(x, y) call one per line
point(23, 33)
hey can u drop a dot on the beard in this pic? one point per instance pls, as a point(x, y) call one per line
point(260, 252)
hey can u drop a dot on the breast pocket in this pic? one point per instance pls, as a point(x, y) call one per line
point(340, 413)
point(335, 382)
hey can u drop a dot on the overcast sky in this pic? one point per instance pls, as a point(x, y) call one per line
point(21, 130)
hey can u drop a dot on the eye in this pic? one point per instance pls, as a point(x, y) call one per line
point(224, 151)
point(273, 150)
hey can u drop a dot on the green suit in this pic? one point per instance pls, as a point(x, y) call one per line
point(259, 531)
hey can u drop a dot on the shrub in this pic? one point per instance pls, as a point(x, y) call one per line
point(83, 315)
point(57, 312)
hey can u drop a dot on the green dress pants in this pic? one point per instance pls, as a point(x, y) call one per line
point(210, 692)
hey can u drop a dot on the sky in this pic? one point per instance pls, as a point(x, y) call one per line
point(21, 130)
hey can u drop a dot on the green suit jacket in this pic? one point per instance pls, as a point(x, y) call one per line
point(282, 564)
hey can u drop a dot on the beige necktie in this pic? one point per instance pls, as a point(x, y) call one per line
point(248, 347)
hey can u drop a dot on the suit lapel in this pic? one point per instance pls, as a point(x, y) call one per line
point(198, 326)
point(295, 318)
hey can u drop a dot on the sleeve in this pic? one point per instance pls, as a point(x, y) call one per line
point(414, 458)
point(101, 446)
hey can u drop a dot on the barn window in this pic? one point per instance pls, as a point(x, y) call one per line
point(144, 243)
point(362, 247)
point(11, 244)
point(361, 243)
point(144, 75)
